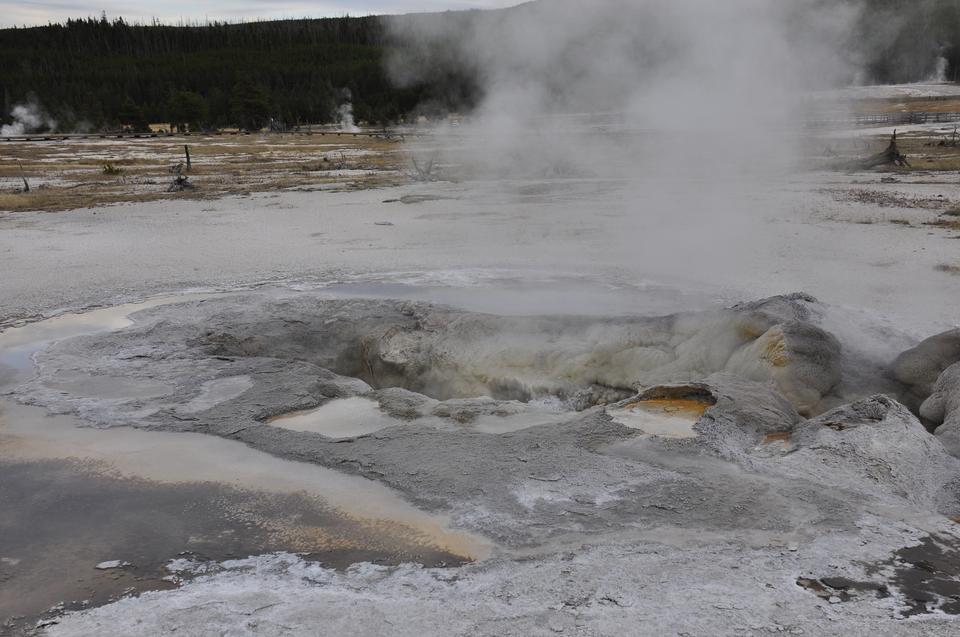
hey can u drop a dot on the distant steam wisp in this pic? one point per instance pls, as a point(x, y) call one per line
point(28, 117)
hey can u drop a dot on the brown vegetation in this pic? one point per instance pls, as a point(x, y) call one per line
point(65, 175)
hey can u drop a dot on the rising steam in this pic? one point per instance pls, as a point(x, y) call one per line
point(940, 69)
point(29, 117)
point(686, 107)
point(345, 113)
point(650, 66)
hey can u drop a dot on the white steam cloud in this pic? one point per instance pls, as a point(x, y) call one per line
point(676, 66)
point(28, 117)
point(345, 118)
point(687, 107)
point(940, 70)
point(345, 113)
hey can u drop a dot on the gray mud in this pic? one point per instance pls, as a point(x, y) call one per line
point(801, 468)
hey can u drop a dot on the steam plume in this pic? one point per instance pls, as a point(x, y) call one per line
point(690, 106)
point(28, 117)
point(345, 113)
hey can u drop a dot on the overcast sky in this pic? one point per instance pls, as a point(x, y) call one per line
point(27, 12)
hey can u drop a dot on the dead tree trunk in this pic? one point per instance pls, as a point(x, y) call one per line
point(23, 176)
point(180, 181)
point(891, 155)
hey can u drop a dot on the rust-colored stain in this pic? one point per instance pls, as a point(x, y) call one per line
point(749, 332)
point(688, 407)
point(781, 436)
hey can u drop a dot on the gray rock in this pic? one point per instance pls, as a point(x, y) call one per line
point(801, 359)
point(402, 403)
point(877, 445)
point(467, 410)
point(744, 414)
point(942, 408)
point(920, 367)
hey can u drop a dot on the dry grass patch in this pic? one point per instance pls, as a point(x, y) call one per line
point(65, 175)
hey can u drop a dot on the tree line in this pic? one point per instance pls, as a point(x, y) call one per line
point(99, 73)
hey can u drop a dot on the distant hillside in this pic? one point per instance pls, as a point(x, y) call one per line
point(99, 73)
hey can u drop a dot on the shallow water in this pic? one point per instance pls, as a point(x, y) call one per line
point(358, 416)
point(672, 418)
point(146, 496)
point(341, 418)
point(19, 344)
point(29, 434)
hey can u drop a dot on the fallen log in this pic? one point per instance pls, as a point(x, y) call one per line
point(891, 155)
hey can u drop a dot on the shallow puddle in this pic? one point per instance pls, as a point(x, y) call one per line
point(340, 418)
point(28, 434)
point(61, 519)
point(666, 418)
point(19, 344)
point(358, 416)
point(75, 496)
